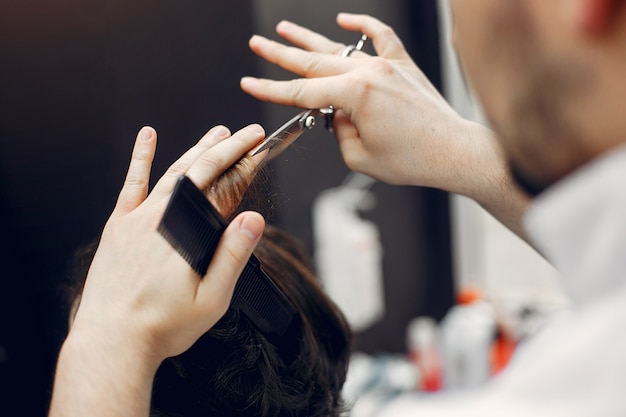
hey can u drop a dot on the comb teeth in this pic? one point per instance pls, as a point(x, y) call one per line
point(194, 227)
point(253, 292)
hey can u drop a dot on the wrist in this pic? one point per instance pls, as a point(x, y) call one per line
point(481, 173)
point(450, 162)
point(476, 163)
point(94, 341)
point(95, 376)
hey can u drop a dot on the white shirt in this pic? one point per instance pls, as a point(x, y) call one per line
point(576, 365)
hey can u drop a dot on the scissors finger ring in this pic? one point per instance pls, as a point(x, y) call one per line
point(329, 112)
point(351, 48)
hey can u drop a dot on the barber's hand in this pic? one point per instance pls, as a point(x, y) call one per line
point(393, 124)
point(141, 298)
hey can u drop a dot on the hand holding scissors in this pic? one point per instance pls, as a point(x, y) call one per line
point(285, 135)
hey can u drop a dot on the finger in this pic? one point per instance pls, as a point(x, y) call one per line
point(166, 184)
point(349, 141)
point(214, 161)
point(229, 189)
point(307, 39)
point(235, 247)
point(304, 63)
point(385, 41)
point(135, 188)
point(311, 93)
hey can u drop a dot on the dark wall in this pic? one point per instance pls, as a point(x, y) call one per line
point(77, 81)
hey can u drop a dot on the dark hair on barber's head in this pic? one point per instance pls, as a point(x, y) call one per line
point(233, 369)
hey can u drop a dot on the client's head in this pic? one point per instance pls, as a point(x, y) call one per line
point(233, 370)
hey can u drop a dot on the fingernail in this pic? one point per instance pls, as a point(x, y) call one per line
point(255, 128)
point(252, 226)
point(344, 16)
point(284, 25)
point(221, 132)
point(256, 39)
point(247, 80)
point(145, 134)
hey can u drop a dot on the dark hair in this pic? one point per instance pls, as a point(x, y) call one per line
point(233, 370)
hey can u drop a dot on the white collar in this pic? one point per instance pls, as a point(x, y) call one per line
point(579, 224)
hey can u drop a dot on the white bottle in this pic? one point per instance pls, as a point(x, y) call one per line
point(467, 335)
point(348, 252)
point(424, 352)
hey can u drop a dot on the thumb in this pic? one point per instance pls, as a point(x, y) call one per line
point(236, 245)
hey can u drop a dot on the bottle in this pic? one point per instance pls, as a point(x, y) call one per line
point(423, 349)
point(467, 334)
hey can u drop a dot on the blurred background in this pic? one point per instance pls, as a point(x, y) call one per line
point(78, 80)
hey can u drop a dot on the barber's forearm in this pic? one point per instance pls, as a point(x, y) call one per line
point(479, 171)
point(92, 381)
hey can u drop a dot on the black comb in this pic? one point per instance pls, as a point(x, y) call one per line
point(194, 227)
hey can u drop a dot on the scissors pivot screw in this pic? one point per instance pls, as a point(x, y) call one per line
point(309, 122)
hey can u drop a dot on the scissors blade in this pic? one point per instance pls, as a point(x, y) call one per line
point(287, 133)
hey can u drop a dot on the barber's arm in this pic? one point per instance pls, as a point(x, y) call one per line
point(142, 302)
point(393, 124)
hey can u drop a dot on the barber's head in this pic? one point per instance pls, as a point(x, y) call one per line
point(233, 369)
point(549, 75)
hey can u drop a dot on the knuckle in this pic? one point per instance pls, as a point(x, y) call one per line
point(385, 32)
point(382, 65)
point(362, 87)
point(350, 162)
point(244, 136)
point(141, 153)
point(135, 182)
point(176, 170)
point(338, 49)
point(311, 65)
point(141, 156)
point(211, 161)
point(235, 254)
point(364, 84)
point(297, 92)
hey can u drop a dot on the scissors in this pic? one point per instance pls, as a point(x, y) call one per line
point(285, 135)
